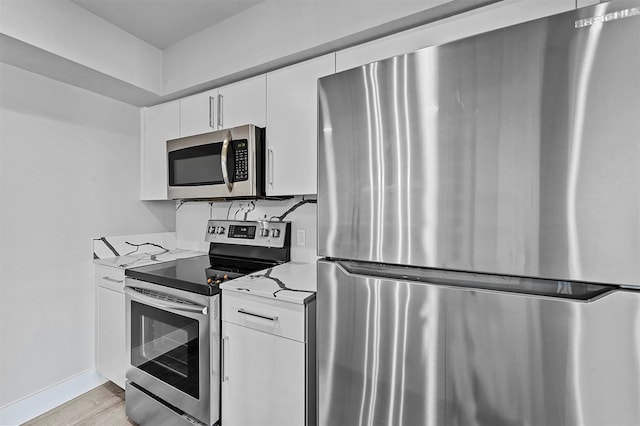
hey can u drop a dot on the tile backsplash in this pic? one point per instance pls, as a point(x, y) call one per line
point(191, 222)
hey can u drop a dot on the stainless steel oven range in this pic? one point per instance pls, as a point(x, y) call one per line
point(173, 322)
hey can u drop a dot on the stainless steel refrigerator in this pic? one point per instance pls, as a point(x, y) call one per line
point(479, 223)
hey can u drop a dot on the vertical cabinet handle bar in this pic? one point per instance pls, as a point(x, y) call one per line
point(220, 111)
point(212, 106)
point(225, 351)
point(270, 165)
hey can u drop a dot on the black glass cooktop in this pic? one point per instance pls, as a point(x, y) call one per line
point(200, 274)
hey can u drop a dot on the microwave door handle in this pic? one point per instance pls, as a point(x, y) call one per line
point(223, 162)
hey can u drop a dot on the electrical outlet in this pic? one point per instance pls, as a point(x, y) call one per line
point(301, 235)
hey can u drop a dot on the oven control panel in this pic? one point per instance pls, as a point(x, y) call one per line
point(254, 233)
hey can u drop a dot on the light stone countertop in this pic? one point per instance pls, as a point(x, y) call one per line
point(293, 282)
point(146, 258)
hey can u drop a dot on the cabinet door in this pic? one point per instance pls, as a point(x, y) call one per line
point(198, 113)
point(243, 102)
point(233, 105)
point(159, 124)
point(111, 357)
point(292, 117)
point(263, 372)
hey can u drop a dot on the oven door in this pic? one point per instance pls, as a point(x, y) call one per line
point(172, 348)
point(225, 163)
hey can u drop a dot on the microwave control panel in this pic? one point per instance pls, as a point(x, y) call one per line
point(254, 233)
point(241, 161)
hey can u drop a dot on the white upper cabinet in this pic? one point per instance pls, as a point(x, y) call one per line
point(292, 117)
point(244, 102)
point(228, 106)
point(159, 124)
point(198, 113)
point(498, 15)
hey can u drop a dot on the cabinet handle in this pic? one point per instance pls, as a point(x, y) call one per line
point(113, 280)
point(225, 351)
point(243, 312)
point(271, 163)
point(220, 101)
point(212, 107)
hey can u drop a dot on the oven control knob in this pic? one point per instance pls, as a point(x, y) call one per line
point(264, 232)
point(220, 230)
point(275, 233)
point(211, 230)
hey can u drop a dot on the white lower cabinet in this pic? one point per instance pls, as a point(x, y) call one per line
point(268, 366)
point(111, 357)
point(264, 378)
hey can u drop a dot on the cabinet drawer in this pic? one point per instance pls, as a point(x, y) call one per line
point(112, 278)
point(270, 316)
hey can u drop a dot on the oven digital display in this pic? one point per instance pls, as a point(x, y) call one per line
point(246, 232)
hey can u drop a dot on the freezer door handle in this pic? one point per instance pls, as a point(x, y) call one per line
point(522, 286)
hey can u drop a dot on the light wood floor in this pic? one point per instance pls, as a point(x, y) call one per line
point(102, 406)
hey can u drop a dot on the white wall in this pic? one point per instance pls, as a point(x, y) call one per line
point(68, 31)
point(191, 222)
point(271, 31)
point(68, 172)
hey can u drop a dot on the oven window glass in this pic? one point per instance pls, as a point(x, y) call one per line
point(198, 165)
point(166, 346)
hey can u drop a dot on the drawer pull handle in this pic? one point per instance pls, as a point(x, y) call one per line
point(113, 280)
point(243, 312)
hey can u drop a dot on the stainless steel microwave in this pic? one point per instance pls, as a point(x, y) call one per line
point(222, 164)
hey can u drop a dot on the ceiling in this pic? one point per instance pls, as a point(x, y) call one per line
point(162, 23)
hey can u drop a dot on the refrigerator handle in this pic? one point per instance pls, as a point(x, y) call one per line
point(477, 281)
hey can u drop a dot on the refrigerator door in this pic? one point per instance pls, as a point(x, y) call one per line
point(431, 349)
point(380, 350)
point(512, 152)
point(513, 359)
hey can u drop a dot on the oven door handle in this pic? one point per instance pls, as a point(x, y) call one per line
point(165, 304)
point(223, 161)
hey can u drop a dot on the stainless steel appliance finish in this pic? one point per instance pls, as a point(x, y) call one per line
point(408, 352)
point(196, 312)
point(148, 411)
point(479, 214)
point(173, 321)
point(515, 152)
point(255, 233)
point(222, 164)
point(380, 351)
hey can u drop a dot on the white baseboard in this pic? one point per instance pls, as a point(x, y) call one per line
point(40, 402)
